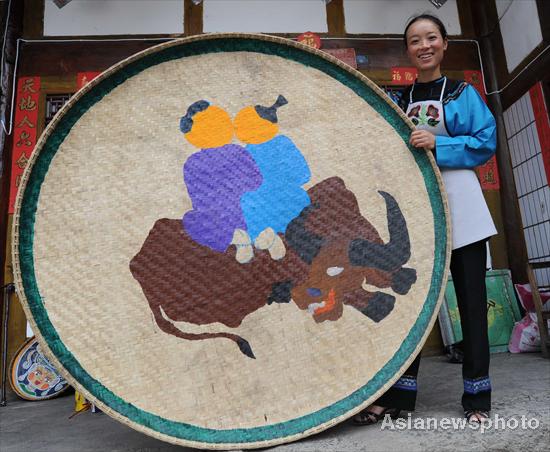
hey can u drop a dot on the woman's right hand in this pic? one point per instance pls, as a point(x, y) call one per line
point(422, 139)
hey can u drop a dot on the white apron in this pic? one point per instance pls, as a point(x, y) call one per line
point(470, 217)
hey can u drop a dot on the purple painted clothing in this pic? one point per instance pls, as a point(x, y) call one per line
point(216, 178)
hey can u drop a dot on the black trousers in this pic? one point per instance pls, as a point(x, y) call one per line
point(468, 270)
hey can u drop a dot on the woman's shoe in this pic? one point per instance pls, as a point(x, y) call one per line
point(367, 417)
point(476, 416)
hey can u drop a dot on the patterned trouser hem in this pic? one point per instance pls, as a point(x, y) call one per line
point(406, 383)
point(477, 385)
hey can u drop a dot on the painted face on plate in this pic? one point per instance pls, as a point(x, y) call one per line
point(425, 45)
point(41, 378)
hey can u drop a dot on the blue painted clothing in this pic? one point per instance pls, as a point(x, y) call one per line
point(281, 197)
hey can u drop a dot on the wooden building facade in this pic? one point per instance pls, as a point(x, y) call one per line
point(51, 52)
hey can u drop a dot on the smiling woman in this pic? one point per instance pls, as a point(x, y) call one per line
point(453, 122)
point(426, 43)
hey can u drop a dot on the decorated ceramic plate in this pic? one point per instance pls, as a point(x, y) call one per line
point(32, 376)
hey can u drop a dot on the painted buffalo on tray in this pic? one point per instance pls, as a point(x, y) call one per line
point(255, 236)
point(332, 252)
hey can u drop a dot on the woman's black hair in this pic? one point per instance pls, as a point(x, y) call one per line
point(436, 20)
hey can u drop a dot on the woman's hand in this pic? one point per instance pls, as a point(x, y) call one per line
point(422, 139)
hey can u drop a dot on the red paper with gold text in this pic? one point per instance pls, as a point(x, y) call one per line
point(24, 131)
point(488, 172)
point(403, 75)
point(310, 39)
point(83, 78)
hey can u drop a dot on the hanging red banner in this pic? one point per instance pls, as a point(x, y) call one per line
point(345, 55)
point(543, 125)
point(474, 78)
point(488, 175)
point(403, 75)
point(24, 131)
point(82, 78)
point(310, 39)
point(488, 172)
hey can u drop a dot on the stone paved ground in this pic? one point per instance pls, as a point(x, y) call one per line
point(521, 387)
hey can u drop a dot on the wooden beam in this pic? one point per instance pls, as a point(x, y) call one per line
point(336, 18)
point(192, 18)
point(537, 71)
point(17, 324)
point(485, 14)
point(62, 84)
point(543, 7)
point(68, 58)
point(33, 19)
point(466, 20)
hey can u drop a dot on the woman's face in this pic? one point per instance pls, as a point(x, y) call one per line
point(425, 45)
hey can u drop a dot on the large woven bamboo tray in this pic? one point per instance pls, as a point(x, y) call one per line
point(226, 242)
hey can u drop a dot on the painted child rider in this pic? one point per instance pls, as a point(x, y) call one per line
point(453, 122)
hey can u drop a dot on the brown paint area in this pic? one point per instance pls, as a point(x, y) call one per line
point(346, 286)
point(338, 220)
point(195, 284)
point(192, 283)
point(337, 217)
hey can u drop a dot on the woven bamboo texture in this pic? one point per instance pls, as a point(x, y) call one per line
point(203, 339)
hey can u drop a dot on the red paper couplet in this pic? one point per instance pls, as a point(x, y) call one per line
point(310, 39)
point(488, 172)
point(24, 131)
point(403, 75)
